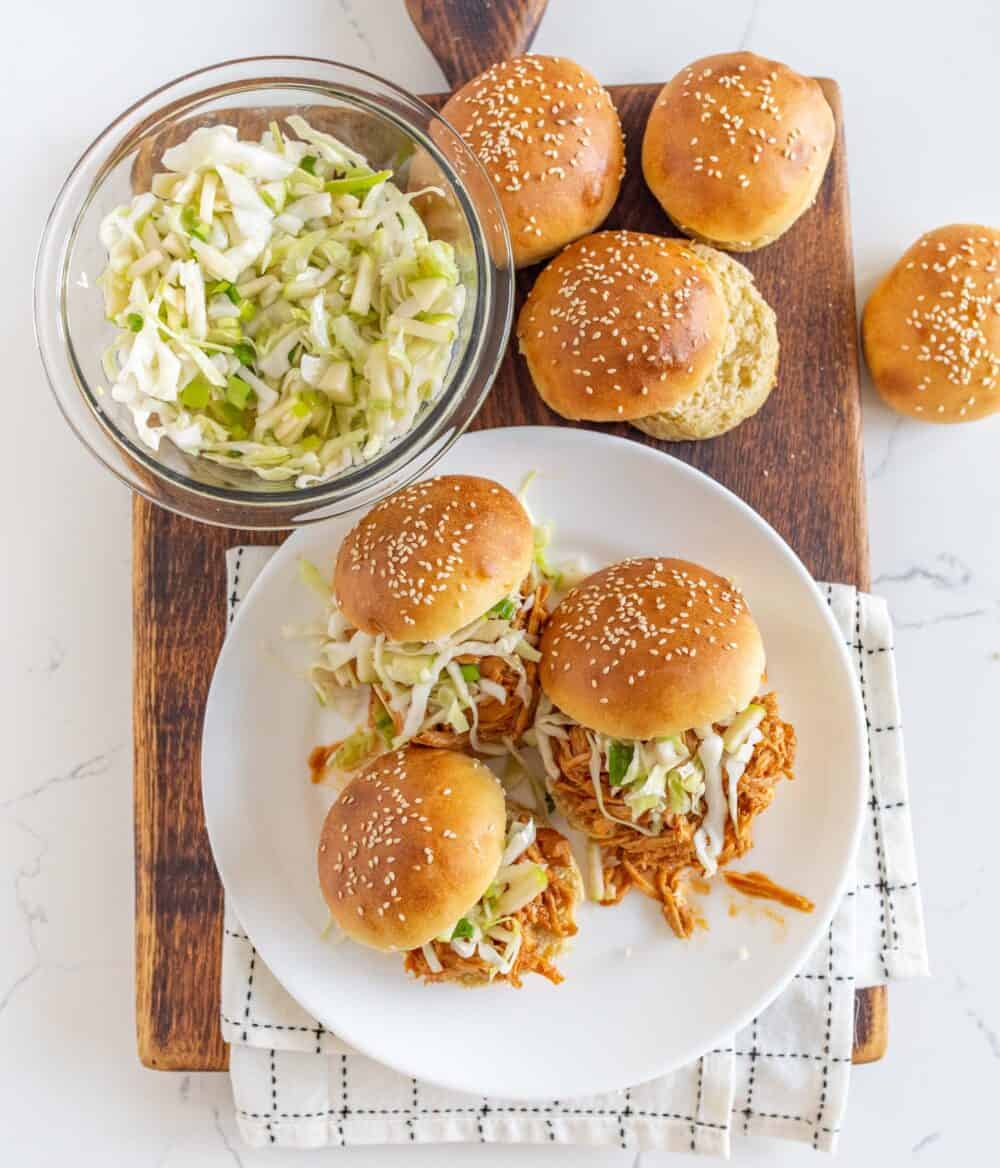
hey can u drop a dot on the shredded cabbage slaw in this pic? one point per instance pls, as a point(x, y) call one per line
point(422, 684)
point(280, 305)
point(663, 778)
point(490, 929)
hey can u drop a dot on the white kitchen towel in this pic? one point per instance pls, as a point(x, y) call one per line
point(785, 1075)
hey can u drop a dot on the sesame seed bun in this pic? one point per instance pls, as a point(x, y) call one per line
point(433, 557)
point(550, 139)
point(736, 147)
point(931, 328)
point(621, 325)
point(747, 369)
point(411, 844)
point(648, 648)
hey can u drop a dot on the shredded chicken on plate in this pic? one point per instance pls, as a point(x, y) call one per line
point(498, 721)
point(656, 865)
point(549, 916)
point(510, 719)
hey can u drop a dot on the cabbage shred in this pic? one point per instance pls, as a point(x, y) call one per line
point(421, 685)
point(280, 305)
point(657, 779)
point(490, 929)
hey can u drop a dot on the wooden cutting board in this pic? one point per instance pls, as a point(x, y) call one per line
point(798, 463)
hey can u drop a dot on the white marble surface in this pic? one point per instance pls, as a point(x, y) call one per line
point(919, 91)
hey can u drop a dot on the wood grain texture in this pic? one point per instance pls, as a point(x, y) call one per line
point(179, 607)
point(467, 36)
point(798, 463)
point(871, 1024)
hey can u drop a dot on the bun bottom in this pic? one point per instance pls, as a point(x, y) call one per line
point(737, 245)
point(576, 822)
point(745, 245)
point(746, 372)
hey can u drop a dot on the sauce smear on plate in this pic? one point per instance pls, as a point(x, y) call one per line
point(762, 887)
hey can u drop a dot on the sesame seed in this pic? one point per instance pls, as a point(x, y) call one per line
point(630, 290)
point(952, 318)
point(635, 608)
point(506, 109)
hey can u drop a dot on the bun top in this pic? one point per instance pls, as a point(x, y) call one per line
point(550, 139)
point(648, 648)
point(621, 325)
point(736, 147)
point(433, 557)
point(411, 844)
point(932, 326)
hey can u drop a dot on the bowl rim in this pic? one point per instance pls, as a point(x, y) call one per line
point(434, 431)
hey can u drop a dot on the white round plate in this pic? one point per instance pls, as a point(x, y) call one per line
point(636, 1002)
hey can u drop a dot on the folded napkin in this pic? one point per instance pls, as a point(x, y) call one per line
point(785, 1075)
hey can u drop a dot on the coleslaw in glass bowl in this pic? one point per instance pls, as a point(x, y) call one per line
point(240, 309)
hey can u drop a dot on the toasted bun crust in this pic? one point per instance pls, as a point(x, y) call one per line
point(651, 647)
point(743, 376)
point(622, 325)
point(433, 557)
point(576, 821)
point(550, 139)
point(932, 326)
point(736, 147)
point(411, 844)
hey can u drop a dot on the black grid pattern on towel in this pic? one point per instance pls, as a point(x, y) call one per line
point(619, 1112)
point(753, 1113)
point(885, 897)
point(886, 888)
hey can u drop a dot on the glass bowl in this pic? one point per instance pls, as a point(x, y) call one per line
point(395, 130)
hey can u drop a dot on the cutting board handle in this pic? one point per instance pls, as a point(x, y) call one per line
point(467, 36)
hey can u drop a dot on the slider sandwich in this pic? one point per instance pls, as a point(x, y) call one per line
point(437, 606)
point(420, 855)
point(655, 739)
